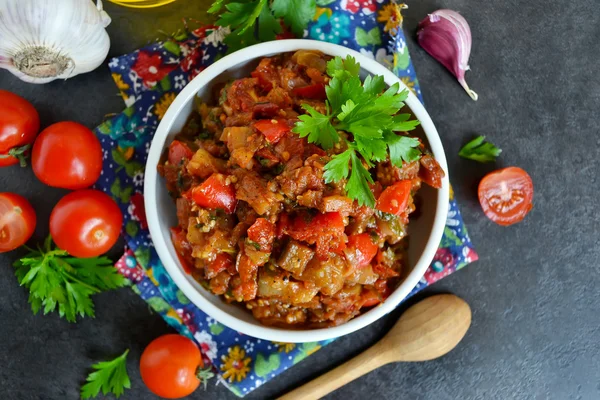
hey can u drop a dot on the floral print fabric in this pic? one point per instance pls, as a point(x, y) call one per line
point(149, 80)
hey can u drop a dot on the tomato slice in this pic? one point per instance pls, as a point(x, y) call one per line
point(263, 233)
point(315, 92)
point(272, 129)
point(17, 221)
point(361, 249)
point(506, 195)
point(215, 193)
point(179, 151)
point(394, 199)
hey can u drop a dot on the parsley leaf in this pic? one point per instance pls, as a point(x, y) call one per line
point(109, 376)
point(268, 27)
point(479, 151)
point(57, 281)
point(317, 127)
point(295, 13)
point(358, 184)
point(402, 148)
point(338, 168)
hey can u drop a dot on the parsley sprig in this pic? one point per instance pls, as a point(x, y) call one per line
point(480, 150)
point(109, 376)
point(371, 115)
point(259, 20)
point(58, 281)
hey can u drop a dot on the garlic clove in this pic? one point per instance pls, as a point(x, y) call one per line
point(446, 36)
point(44, 40)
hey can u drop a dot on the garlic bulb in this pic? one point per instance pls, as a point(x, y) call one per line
point(44, 40)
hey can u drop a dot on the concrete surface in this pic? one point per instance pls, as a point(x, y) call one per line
point(535, 291)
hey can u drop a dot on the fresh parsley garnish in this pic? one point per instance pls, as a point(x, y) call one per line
point(367, 112)
point(109, 376)
point(257, 21)
point(58, 281)
point(479, 150)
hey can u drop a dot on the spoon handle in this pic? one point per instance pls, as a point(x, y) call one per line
point(365, 362)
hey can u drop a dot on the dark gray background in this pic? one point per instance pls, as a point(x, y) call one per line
point(534, 292)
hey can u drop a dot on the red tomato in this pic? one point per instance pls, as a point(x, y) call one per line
point(360, 249)
point(183, 248)
point(394, 199)
point(325, 230)
point(316, 92)
point(215, 193)
point(222, 262)
point(370, 298)
point(272, 129)
point(505, 195)
point(430, 171)
point(263, 233)
point(67, 155)
point(86, 223)
point(19, 123)
point(179, 151)
point(17, 221)
point(171, 366)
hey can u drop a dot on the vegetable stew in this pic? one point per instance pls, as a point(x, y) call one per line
point(260, 225)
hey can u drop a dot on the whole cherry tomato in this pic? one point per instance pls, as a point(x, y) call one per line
point(17, 221)
point(505, 195)
point(86, 223)
point(172, 367)
point(19, 124)
point(67, 155)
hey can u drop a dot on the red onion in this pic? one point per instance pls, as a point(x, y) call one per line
point(446, 36)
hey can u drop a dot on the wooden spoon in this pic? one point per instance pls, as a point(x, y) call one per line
point(427, 330)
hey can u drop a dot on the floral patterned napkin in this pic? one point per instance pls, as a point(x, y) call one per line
point(149, 79)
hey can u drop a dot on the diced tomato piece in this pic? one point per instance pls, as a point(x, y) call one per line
point(370, 298)
point(394, 199)
point(272, 129)
point(430, 172)
point(263, 233)
point(183, 248)
point(179, 151)
point(265, 110)
point(316, 92)
point(325, 230)
point(215, 193)
point(263, 80)
point(222, 262)
point(361, 249)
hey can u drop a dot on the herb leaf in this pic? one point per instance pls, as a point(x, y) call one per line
point(402, 148)
point(57, 281)
point(358, 184)
point(295, 13)
point(110, 377)
point(317, 127)
point(338, 168)
point(479, 150)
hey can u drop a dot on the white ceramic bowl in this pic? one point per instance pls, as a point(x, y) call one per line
point(425, 231)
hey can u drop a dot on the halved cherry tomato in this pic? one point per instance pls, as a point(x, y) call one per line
point(171, 366)
point(394, 199)
point(263, 233)
point(183, 248)
point(17, 221)
point(505, 195)
point(67, 155)
point(19, 124)
point(215, 193)
point(86, 223)
point(360, 249)
point(272, 129)
point(315, 92)
point(179, 151)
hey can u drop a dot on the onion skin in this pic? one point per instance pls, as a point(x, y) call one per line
point(446, 36)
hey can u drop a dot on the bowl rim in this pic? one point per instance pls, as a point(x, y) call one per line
point(173, 266)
